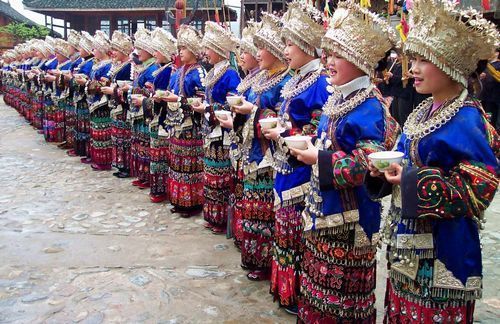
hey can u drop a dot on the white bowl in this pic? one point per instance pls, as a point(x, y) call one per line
point(192, 101)
point(162, 93)
point(222, 114)
point(234, 100)
point(382, 160)
point(268, 123)
point(122, 83)
point(297, 142)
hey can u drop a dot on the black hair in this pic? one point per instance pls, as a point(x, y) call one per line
point(382, 64)
point(481, 66)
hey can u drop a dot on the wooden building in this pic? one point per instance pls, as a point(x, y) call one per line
point(125, 15)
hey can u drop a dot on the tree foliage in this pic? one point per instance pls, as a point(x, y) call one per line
point(22, 32)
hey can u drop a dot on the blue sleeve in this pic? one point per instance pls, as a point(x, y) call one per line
point(232, 79)
point(87, 68)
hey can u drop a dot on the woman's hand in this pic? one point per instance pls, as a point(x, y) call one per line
point(273, 133)
point(81, 81)
point(244, 109)
point(49, 78)
point(67, 75)
point(308, 156)
point(171, 97)
point(107, 90)
point(374, 172)
point(199, 107)
point(126, 87)
point(226, 123)
point(137, 101)
point(393, 174)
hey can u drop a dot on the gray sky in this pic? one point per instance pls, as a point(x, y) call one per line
point(18, 5)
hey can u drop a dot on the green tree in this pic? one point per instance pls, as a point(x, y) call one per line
point(21, 32)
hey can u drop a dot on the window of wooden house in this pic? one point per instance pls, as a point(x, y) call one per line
point(105, 26)
point(123, 25)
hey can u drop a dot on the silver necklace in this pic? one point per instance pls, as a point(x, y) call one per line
point(335, 111)
point(263, 85)
point(249, 81)
point(213, 77)
point(295, 86)
point(417, 126)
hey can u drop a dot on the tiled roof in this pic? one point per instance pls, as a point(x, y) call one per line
point(7, 10)
point(110, 4)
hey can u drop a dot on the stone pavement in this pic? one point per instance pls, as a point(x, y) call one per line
point(83, 246)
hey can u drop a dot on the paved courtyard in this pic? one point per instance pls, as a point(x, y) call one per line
point(83, 246)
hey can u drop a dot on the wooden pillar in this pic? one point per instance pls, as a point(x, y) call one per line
point(159, 20)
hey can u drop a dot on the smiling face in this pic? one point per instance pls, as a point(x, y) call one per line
point(186, 56)
point(429, 78)
point(60, 58)
point(341, 70)
point(248, 61)
point(160, 58)
point(143, 55)
point(119, 56)
point(212, 56)
point(84, 53)
point(98, 54)
point(266, 59)
point(296, 57)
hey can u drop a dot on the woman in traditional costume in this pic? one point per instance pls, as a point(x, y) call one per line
point(47, 79)
point(81, 76)
point(220, 82)
point(341, 222)
point(263, 100)
point(142, 86)
point(69, 104)
point(100, 119)
point(155, 110)
point(54, 115)
point(121, 46)
point(303, 98)
point(249, 64)
point(185, 178)
point(449, 176)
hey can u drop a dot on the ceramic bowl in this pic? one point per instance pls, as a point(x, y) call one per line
point(234, 100)
point(382, 160)
point(222, 114)
point(122, 83)
point(297, 142)
point(268, 123)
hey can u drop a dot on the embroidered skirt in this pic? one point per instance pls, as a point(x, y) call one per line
point(237, 225)
point(53, 121)
point(258, 220)
point(140, 160)
point(185, 181)
point(37, 110)
point(159, 153)
point(337, 281)
point(121, 141)
point(100, 137)
point(287, 255)
point(69, 122)
point(403, 309)
point(218, 184)
point(82, 130)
